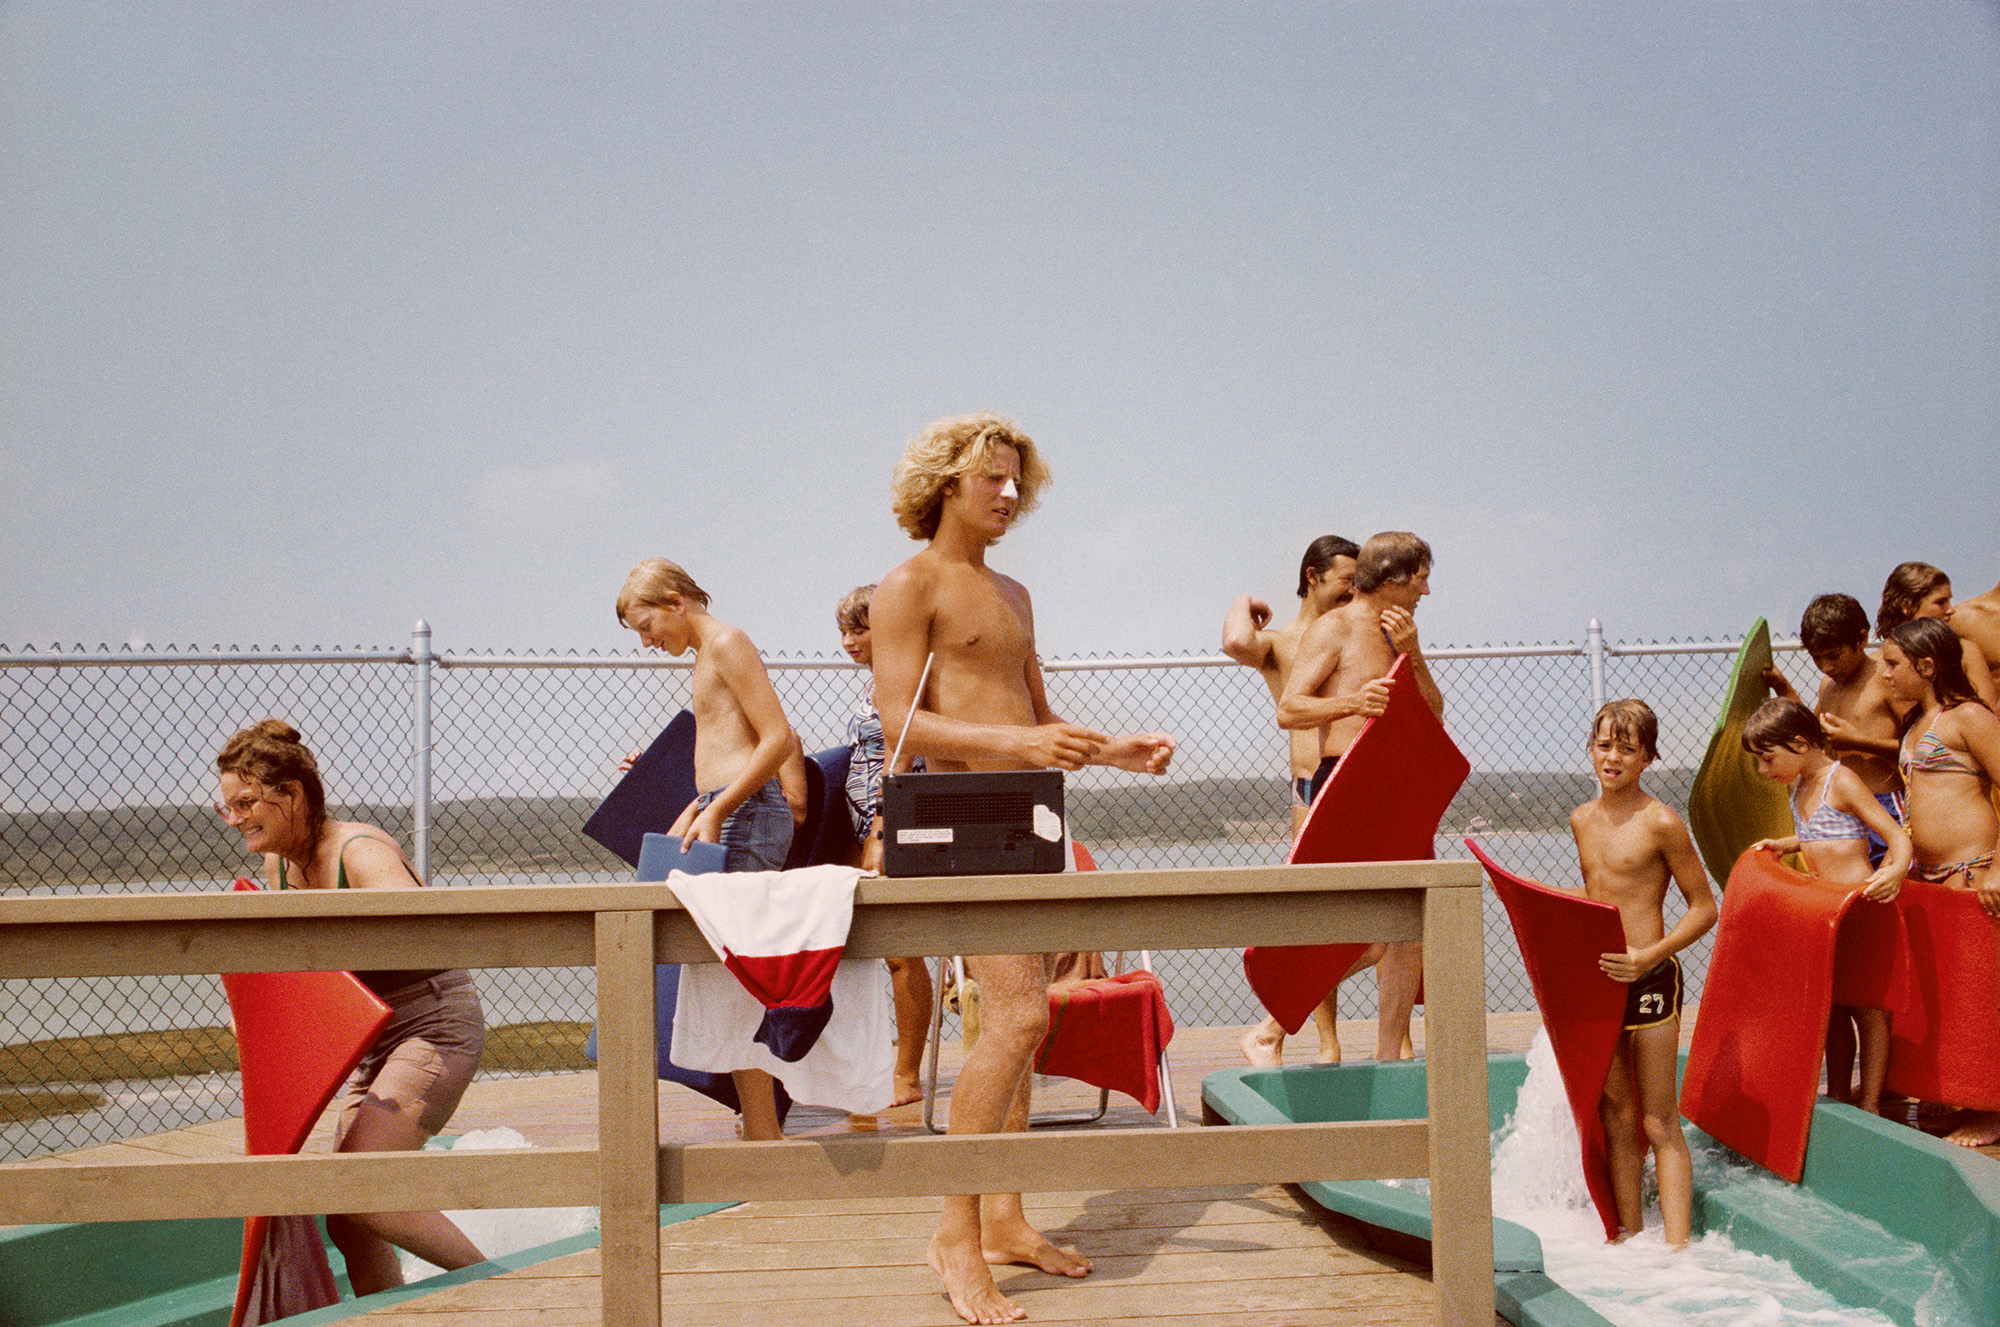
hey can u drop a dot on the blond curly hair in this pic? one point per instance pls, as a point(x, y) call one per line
point(950, 449)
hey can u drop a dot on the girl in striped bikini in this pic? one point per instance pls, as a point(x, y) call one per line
point(1950, 757)
point(1832, 812)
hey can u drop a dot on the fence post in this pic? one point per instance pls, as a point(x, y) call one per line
point(420, 792)
point(1595, 648)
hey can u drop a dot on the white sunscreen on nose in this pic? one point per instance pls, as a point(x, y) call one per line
point(1010, 491)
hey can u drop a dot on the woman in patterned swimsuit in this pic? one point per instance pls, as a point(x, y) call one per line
point(1950, 756)
point(411, 1079)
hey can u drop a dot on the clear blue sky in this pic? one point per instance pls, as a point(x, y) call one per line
point(319, 318)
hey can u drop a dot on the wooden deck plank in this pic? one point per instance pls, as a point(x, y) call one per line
point(1231, 1255)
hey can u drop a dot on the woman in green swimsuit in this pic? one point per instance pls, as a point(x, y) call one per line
point(411, 1079)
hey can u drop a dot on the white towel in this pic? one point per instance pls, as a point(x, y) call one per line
point(747, 915)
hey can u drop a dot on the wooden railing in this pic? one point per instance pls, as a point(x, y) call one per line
point(623, 930)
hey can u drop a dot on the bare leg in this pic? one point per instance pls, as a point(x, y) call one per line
point(1872, 1025)
point(364, 1238)
point(991, 1095)
point(1396, 982)
point(760, 1105)
point(1618, 1110)
point(1326, 1020)
point(910, 978)
point(1655, 1051)
point(1840, 1052)
point(1264, 1045)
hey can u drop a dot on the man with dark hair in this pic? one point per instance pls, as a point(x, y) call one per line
point(1326, 581)
point(1853, 706)
point(1339, 681)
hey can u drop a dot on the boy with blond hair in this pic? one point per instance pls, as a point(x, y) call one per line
point(1631, 846)
point(741, 739)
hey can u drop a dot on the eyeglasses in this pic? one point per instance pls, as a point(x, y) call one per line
point(241, 807)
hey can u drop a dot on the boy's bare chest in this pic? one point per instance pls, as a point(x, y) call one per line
point(1862, 703)
point(710, 698)
point(1622, 863)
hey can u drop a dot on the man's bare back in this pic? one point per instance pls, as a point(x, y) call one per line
point(1978, 620)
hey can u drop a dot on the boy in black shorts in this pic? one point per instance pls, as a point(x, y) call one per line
point(1631, 845)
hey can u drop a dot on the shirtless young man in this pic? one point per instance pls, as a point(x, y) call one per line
point(1854, 708)
point(960, 486)
point(1339, 681)
point(1326, 581)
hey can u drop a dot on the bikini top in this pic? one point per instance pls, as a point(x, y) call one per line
point(1933, 757)
point(1827, 822)
point(388, 979)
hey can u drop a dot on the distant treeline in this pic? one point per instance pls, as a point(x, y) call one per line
point(139, 845)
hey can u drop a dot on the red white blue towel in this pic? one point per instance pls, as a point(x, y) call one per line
point(783, 1000)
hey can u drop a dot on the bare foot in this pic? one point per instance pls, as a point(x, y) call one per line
point(1980, 1128)
point(1018, 1242)
point(908, 1090)
point(968, 1282)
point(1329, 1052)
point(1262, 1048)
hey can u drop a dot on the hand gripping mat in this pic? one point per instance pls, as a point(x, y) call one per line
point(298, 1036)
point(1382, 804)
point(1945, 1045)
point(1785, 944)
point(652, 794)
point(1731, 805)
point(1561, 936)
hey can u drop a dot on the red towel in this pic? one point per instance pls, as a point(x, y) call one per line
point(1109, 1033)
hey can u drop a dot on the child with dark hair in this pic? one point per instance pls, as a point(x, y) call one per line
point(1854, 711)
point(1917, 589)
point(1832, 838)
point(1631, 846)
point(1950, 759)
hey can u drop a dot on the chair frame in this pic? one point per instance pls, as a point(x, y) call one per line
point(955, 962)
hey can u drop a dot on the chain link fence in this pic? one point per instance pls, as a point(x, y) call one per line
point(486, 766)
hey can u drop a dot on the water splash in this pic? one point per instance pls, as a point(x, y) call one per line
point(501, 1230)
point(1538, 1183)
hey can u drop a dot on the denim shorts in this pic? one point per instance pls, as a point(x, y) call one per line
point(758, 834)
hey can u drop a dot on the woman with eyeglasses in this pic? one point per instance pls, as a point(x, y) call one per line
point(411, 1079)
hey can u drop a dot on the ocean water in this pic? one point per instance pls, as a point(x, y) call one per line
point(1538, 1183)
